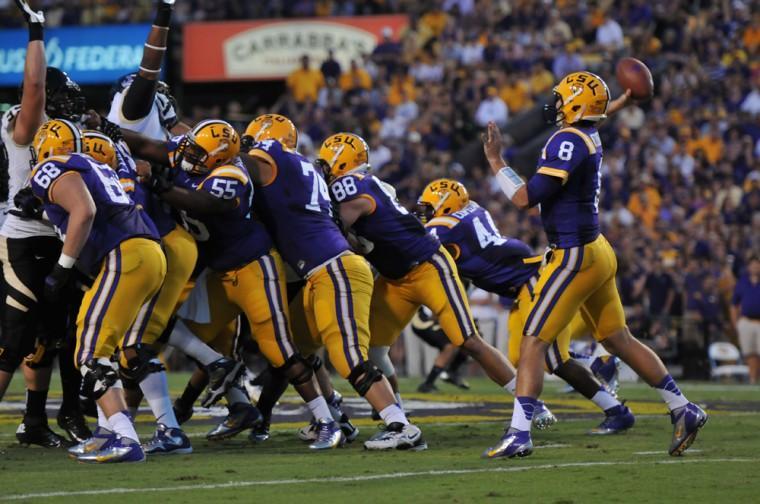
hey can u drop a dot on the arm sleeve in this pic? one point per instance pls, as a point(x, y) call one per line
point(138, 98)
point(541, 187)
point(564, 152)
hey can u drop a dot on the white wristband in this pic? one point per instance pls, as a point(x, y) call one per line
point(67, 261)
point(509, 181)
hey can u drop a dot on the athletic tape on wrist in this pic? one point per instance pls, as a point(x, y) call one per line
point(509, 181)
point(66, 261)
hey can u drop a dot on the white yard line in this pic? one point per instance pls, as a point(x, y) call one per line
point(663, 452)
point(372, 477)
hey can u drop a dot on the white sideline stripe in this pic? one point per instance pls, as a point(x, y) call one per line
point(371, 477)
point(662, 452)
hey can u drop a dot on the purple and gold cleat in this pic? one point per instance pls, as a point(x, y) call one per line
point(619, 419)
point(119, 450)
point(686, 420)
point(514, 443)
point(96, 442)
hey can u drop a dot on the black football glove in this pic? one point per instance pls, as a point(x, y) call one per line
point(160, 178)
point(28, 206)
point(111, 130)
point(56, 282)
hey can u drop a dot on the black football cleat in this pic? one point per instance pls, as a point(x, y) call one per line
point(260, 433)
point(241, 417)
point(40, 435)
point(427, 388)
point(75, 426)
point(222, 373)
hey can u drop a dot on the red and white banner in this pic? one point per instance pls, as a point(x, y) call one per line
point(271, 49)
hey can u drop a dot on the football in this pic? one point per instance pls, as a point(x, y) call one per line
point(634, 75)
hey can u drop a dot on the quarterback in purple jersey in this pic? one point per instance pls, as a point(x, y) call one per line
point(294, 203)
point(415, 269)
point(107, 235)
point(581, 272)
point(507, 267)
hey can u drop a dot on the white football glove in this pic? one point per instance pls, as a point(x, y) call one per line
point(30, 15)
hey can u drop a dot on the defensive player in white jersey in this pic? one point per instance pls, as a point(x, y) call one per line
point(29, 249)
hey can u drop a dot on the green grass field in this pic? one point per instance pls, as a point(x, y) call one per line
point(568, 465)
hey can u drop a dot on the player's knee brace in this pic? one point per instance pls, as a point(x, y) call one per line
point(97, 377)
point(141, 361)
point(298, 370)
point(381, 357)
point(363, 376)
point(315, 362)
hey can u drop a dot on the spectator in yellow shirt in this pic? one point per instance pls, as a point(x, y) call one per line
point(515, 93)
point(401, 89)
point(541, 79)
point(305, 83)
point(355, 79)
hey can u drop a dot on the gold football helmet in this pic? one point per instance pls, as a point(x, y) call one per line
point(441, 197)
point(99, 147)
point(343, 153)
point(271, 127)
point(210, 144)
point(56, 137)
point(580, 96)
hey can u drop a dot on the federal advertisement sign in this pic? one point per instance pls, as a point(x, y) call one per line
point(90, 55)
point(271, 49)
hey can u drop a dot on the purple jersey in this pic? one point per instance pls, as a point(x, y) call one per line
point(117, 217)
point(400, 241)
point(571, 216)
point(491, 261)
point(157, 210)
point(297, 210)
point(235, 238)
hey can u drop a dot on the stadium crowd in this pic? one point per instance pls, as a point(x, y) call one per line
point(681, 185)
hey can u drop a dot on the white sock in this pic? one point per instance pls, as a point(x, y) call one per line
point(103, 420)
point(123, 426)
point(319, 408)
point(399, 401)
point(234, 396)
point(604, 400)
point(392, 414)
point(156, 391)
point(187, 342)
point(511, 385)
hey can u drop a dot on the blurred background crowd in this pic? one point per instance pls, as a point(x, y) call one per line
point(681, 177)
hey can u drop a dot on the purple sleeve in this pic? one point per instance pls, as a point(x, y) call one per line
point(541, 187)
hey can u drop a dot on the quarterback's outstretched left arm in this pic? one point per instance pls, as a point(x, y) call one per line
point(522, 195)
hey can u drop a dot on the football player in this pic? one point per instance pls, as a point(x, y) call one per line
point(140, 369)
point(32, 328)
point(581, 272)
point(142, 103)
point(106, 235)
point(506, 267)
point(449, 359)
point(294, 202)
point(415, 269)
point(245, 271)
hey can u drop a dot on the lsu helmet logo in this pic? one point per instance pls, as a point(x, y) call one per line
point(579, 96)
